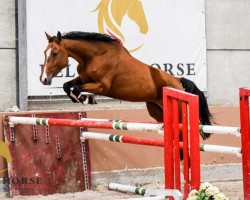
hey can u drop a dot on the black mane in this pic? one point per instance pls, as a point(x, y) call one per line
point(77, 35)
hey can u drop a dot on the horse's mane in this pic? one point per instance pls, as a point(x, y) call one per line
point(78, 35)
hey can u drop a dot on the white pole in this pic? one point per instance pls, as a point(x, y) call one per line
point(27, 120)
point(156, 194)
point(220, 129)
point(95, 136)
point(126, 188)
point(220, 149)
point(97, 120)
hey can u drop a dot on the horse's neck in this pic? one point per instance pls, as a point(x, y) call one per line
point(81, 51)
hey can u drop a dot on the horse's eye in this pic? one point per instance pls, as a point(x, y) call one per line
point(54, 54)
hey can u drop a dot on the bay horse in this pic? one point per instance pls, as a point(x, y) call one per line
point(106, 68)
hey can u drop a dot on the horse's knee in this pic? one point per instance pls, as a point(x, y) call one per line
point(76, 91)
point(67, 90)
point(66, 87)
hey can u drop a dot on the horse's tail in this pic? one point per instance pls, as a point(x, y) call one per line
point(205, 115)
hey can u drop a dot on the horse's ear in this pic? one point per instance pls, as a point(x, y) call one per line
point(48, 36)
point(58, 37)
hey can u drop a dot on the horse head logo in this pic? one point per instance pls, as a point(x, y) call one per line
point(5, 152)
point(112, 12)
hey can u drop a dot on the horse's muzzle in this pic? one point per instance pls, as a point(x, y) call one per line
point(46, 80)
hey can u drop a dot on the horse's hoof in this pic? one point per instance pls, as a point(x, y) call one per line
point(83, 99)
point(73, 98)
point(92, 100)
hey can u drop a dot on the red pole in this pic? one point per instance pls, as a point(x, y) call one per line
point(176, 145)
point(143, 141)
point(185, 150)
point(245, 139)
point(80, 123)
point(168, 141)
point(194, 142)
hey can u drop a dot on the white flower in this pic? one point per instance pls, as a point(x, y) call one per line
point(212, 190)
point(207, 191)
point(193, 193)
point(205, 185)
point(192, 198)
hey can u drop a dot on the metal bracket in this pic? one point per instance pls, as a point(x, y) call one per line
point(85, 167)
point(34, 130)
point(84, 153)
point(81, 129)
point(47, 134)
point(12, 132)
point(58, 148)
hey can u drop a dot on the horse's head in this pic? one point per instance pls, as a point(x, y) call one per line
point(136, 13)
point(56, 58)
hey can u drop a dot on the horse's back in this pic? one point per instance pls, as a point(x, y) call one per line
point(139, 82)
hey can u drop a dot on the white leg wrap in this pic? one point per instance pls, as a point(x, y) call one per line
point(74, 96)
point(86, 101)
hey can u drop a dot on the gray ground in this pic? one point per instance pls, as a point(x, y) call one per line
point(233, 190)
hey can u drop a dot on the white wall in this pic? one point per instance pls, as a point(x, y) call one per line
point(228, 49)
point(7, 54)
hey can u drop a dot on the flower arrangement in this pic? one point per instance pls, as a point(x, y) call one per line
point(207, 192)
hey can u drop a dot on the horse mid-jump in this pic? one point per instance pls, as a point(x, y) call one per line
point(106, 68)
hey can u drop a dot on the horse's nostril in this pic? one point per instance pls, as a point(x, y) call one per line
point(45, 80)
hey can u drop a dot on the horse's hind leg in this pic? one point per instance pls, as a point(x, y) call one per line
point(155, 111)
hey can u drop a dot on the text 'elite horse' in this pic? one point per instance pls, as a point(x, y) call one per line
point(106, 68)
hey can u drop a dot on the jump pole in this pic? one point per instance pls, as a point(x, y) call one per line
point(156, 194)
point(116, 124)
point(230, 130)
point(122, 139)
point(117, 120)
point(155, 142)
point(88, 124)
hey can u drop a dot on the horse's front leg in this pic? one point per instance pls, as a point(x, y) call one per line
point(83, 98)
point(75, 94)
point(97, 88)
point(67, 88)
